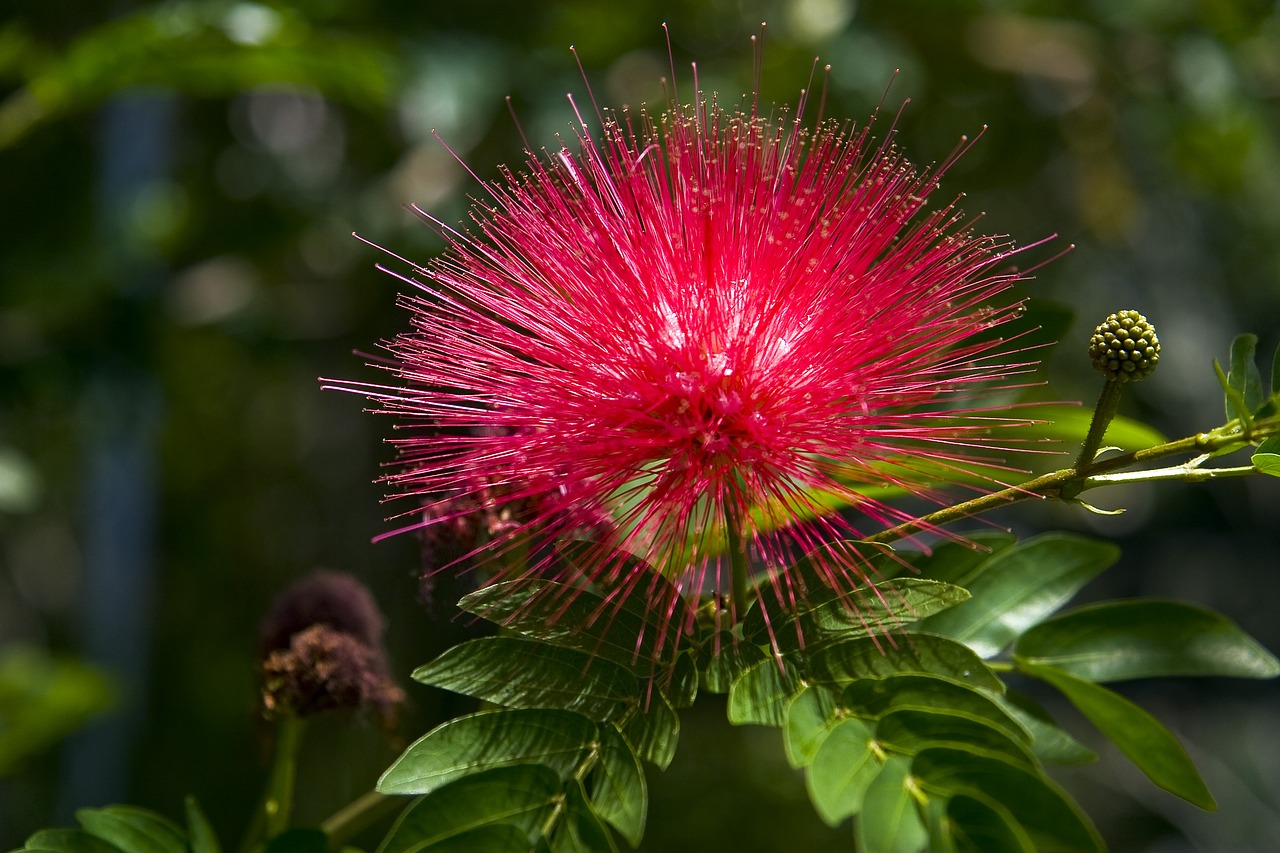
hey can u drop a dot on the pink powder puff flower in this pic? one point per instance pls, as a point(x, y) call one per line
point(686, 334)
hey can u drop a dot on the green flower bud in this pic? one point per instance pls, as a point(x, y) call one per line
point(1125, 347)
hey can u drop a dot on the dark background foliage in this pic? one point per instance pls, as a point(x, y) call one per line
point(179, 184)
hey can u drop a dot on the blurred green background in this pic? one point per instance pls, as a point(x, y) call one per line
point(179, 182)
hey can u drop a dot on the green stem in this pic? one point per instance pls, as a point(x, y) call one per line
point(1103, 413)
point(1228, 437)
point(357, 815)
point(737, 561)
point(277, 806)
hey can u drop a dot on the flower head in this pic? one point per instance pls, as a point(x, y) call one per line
point(685, 333)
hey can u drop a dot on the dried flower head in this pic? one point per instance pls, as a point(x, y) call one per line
point(695, 333)
point(321, 650)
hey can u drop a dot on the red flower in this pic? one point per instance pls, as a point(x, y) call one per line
point(687, 332)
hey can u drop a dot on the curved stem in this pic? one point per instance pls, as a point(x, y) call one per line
point(353, 818)
point(1103, 413)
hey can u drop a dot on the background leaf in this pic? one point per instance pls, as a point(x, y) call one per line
point(1144, 638)
point(1019, 586)
point(875, 697)
point(982, 825)
point(1148, 744)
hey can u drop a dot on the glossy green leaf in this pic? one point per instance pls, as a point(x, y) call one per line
point(1141, 737)
point(1244, 377)
point(618, 790)
point(68, 841)
point(521, 673)
point(641, 639)
point(520, 796)
point(979, 824)
point(725, 658)
point(1049, 743)
point(890, 820)
point(841, 771)
point(875, 697)
point(835, 576)
point(490, 838)
point(881, 610)
point(760, 695)
point(1020, 586)
point(200, 835)
point(1267, 457)
point(1049, 816)
point(133, 830)
point(910, 730)
point(869, 657)
point(553, 738)
point(1143, 638)
point(654, 733)
point(579, 829)
point(809, 718)
point(680, 684)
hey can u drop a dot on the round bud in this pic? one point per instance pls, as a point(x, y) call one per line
point(1125, 347)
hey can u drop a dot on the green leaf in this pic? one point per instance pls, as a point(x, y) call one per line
point(1048, 742)
point(941, 839)
point(809, 718)
point(1267, 457)
point(521, 796)
point(200, 834)
point(522, 673)
point(618, 790)
point(889, 821)
point(1140, 736)
point(1235, 405)
point(910, 730)
point(980, 824)
point(760, 695)
point(958, 562)
point(490, 838)
point(1244, 377)
point(725, 658)
point(1048, 815)
point(68, 841)
point(1070, 424)
point(1143, 638)
point(579, 830)
point(875, 697)
point(1019, 586)
point(881, 610)
point(643, 638)
point(654, 734)
point(555, 739)
point(842, 770)
point(133, 830)
point(681, 684)
point(869, 657)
